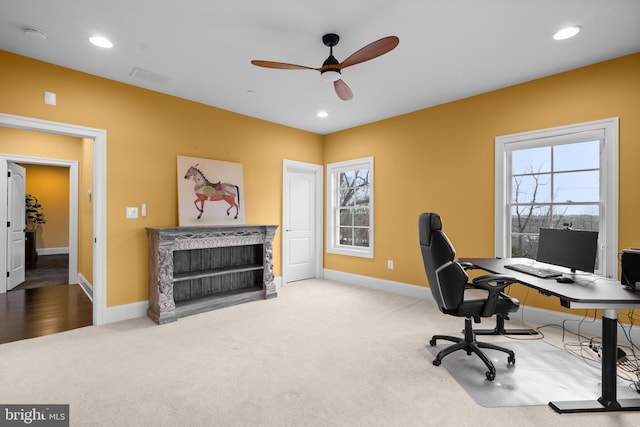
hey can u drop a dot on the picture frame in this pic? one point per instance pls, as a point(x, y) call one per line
point(210, 192)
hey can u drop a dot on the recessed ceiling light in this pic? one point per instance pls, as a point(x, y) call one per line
point(101, 42)
point(322, 114)
point(567, 32)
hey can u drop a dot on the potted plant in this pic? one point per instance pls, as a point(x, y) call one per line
point(35, 217)
point(34, 213)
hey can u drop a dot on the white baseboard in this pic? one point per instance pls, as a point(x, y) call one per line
point(52, 251)
point(532, 315)
point(86, 286)
point(139, 309)
point(126, 311)
point(379, 284)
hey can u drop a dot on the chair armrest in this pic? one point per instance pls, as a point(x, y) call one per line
point(501, 281)
point(494, 284)
point(467, 265)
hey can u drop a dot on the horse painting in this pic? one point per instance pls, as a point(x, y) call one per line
point(206, 190)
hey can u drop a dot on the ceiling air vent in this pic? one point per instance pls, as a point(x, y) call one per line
point(149, 76)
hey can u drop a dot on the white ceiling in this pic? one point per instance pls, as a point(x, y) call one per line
point(449, 49)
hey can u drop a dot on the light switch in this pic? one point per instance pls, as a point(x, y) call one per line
point(143, 210)
point(132, 212)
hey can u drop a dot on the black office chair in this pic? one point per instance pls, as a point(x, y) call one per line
point(455, 296)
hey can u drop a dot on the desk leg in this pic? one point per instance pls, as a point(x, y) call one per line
point(607, 401)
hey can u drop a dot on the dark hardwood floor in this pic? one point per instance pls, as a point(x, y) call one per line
point(40, 308)
point(47, 270)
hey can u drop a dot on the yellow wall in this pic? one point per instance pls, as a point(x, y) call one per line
point(438, 159)
point(146, 131)
point(36, 144)
point(442, 159)
point(50, 185)
point(85, 212)
point(58, 147)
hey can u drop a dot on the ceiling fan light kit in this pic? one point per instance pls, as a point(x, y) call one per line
point(331, 75)
point(331, 69)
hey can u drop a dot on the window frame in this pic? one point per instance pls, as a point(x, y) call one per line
point(332, 223)
point(605, 130)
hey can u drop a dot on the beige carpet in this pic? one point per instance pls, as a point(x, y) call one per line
point(321, 354)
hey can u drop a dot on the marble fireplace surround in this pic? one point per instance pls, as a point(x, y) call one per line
point(163, 242)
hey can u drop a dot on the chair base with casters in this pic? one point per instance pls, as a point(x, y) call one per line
point(470, 345)
point(500, 330)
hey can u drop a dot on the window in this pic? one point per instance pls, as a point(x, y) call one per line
point(555, 178)
point(350, 207)
point(554, 186)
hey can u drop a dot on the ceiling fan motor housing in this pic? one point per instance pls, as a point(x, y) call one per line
point(328, 72)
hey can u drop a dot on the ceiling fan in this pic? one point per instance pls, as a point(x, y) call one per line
point(331, 68)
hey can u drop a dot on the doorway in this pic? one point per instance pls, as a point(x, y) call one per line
point(99, 138)
point(72, 166)
point(302, 243)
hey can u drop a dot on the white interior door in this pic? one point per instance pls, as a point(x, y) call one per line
point(16, 188)
point(302, 226)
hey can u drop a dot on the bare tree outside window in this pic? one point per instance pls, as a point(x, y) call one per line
point(350, 200)
point(354, 192)
point(553, 187)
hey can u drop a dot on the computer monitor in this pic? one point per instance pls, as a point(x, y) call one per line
point(573, 249)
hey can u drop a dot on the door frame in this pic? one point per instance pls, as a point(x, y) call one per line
point(318, 232)
point(72, 165)
point(99, 198)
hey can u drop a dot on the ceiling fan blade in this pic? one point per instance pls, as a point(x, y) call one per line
point(370, 51)
point(281, 65)
point(342, 90)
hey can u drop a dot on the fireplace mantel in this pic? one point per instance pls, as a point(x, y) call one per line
point(196, 269)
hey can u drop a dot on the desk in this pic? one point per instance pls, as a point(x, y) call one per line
point(603, 294)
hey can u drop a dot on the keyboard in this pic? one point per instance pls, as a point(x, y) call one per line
point(544, 273)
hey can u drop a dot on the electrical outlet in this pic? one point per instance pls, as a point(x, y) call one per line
point(390, 264)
